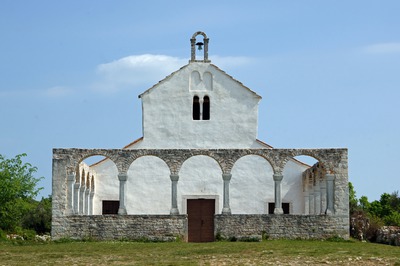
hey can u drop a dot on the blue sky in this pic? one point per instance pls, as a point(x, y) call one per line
point(328, 72)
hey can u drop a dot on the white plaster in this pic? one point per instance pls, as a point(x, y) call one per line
point(168, 124)
point(251, 186)
point(106, 184)
point(167, 111)
point(148, 187)
point(200, 177)
point(292, 185)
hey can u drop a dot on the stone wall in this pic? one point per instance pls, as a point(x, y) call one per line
point(171, 228)
point(243, 227)
point(121, 227)
point(389, 235)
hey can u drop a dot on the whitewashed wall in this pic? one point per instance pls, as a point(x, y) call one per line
point(168, 123)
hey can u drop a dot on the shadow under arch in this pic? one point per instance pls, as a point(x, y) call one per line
point(251, 185)
point(148, 185)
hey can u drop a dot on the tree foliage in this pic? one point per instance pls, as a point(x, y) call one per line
point(385, 211)
point(18, 187)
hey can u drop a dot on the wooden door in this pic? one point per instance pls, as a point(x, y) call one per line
point(200, 220)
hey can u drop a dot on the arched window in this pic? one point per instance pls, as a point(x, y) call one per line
point(196, 108)
point(206, 108)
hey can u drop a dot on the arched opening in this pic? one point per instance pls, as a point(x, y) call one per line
point(251, 186)
point(196, 108)
point(148, 186)
point(206, 108)
point(101, 194)
point(200, 195)
point(299, 188)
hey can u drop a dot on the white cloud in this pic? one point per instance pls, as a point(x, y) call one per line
point(136, 71)
point(57, 91)
point(231, 61)
point(383, 48)
point(143, 71)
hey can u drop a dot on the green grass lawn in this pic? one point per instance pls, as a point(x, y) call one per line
point(270, 252)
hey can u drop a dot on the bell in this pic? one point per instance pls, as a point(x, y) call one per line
point(199, 46)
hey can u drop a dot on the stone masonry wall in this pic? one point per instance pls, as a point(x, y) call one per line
point(171, 228)
point(244, 227)
point(121, 227)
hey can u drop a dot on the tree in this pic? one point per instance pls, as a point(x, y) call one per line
point(38, 217)
point(17, 190)
point(353, 202)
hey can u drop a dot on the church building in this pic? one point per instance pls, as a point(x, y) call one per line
point(199, 173)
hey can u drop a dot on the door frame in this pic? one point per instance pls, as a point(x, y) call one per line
point(186, 197)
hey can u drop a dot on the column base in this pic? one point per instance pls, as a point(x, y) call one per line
point(122, 211)
point(226, 211)
point(328, 212)
point(174, 211)
point(278, 211)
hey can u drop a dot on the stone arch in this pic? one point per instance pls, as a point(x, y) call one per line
point(103, 177)
point(208, 81)
point(197, 33)
point(251, 185)
point(193, 46)
point(195, 80)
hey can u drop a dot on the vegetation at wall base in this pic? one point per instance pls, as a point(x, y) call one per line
point(366, 218)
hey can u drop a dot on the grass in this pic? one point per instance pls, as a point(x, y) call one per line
point(270, 252)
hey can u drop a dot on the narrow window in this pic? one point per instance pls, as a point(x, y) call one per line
point(206, 108)
point(271, 207)
point(196, 108)
point(110, 206)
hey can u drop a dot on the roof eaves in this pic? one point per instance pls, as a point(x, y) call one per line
point(162, 81)
point(240, 83)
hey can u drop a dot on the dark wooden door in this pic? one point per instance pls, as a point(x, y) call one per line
point(200, 220)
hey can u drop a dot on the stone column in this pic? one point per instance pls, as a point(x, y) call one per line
point(174, 194)
point(306, 200)
point(201, 101)
point(82, 199)
point(70, 193)
point(278, 198)
point(227, 179)
point(329, 193)
point(312, 201)
point(87, 198)
point(122, 181)
point(76, 197)
point(317, 197)
point(323, 195)
point(91, 202)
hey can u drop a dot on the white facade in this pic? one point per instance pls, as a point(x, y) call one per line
point(168, 123)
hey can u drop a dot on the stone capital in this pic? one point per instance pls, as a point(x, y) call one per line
point(278, 177)
point(330, 177)
point(122, 177)
point(226, 176)
point(174, 177)
point(71, 177)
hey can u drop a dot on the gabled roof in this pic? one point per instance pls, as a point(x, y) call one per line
point(217, 68)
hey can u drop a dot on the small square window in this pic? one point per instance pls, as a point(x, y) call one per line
point(110, 206)
point(285, 207)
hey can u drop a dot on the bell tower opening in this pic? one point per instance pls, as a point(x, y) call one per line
point(201, 46)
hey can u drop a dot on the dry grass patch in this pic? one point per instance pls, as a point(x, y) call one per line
point(271, 252)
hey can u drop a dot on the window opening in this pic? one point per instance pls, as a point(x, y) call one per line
point(196, 108)
point(206, 108)
point(285, 207)
point(110, 206)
